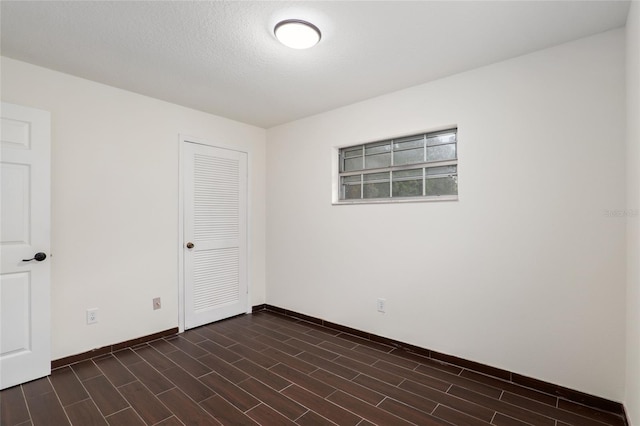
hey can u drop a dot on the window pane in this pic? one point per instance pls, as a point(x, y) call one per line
point(441, 138)
point(350, 187)
point(351, 192)
point(407, 183)
point(377, 161)
point(376, 190)
point(351, 164)
point(377, 148)
point(376, 177)
point(408, 143)
point(376, 185)
point(409, 156)
point(444, 170)
point(351, 179)
point(356, 151)
point(441, 152)
point(442, 186)
point(407, 188)
point(413, 173)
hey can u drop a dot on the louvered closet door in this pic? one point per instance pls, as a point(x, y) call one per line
point(215, 231)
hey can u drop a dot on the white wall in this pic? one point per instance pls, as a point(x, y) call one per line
point(525, 272)
point(115, 203)
point(632, 397)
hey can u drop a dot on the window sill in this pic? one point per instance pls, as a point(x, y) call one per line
point(396, 200)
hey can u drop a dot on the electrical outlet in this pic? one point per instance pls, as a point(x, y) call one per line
point(156, 303)
point(92, 316)
point(382, 305)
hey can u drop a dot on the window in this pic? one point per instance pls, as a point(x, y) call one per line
point(423, 167)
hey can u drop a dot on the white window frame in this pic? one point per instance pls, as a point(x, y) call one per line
point(338, 174)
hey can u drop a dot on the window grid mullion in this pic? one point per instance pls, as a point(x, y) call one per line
point(403, 167)
point(424, 148)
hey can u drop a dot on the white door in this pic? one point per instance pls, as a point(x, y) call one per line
point(215, 233)
point(25, 342)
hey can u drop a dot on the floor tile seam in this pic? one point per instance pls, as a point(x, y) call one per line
point(410, 405)
point(300, 416)
point(438, 379)
point(237, 408)
point(269, 332)
point(346, 356)
point(147, 388)
point(465, 413)
point(180, 349)
point(555, 419)
point(267, 384)
point(163, 420)
point(345, 408)
point(298, 384)
point(189, 356)
point(164, 339)
point(527, 388)
point(555, 397)
point(586, 406)
point(79, 381)
point(274, 409)
point(59, 401)
point(339, 389)
point(463, 379)
point(383, 400)
point(367, 403)
point(24, 398)
point(156, 370)
point(116, 389)
point(219, 360)
point(192, 400)
point(562, 410)
point(376, 378)
point(79, 401)
point(269, 346)
point(519, 420)
point(231, 403)
point(277, 325)
point(94, 404)
point(119, 411)
point(445, 404)
point(78, 376)
point(341, 407)
point(326, 327)
point(107, 377)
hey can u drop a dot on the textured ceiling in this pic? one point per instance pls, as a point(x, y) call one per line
point(221, 57)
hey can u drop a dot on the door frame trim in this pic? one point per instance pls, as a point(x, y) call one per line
point(184, 139)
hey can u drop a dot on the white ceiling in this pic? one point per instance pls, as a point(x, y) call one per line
point(221, 56)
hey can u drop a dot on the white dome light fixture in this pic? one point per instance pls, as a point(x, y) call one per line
point(297, 34)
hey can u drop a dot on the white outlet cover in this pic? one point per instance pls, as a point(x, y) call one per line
point(92, 316)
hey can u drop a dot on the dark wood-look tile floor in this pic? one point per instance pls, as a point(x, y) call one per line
point(267, 369)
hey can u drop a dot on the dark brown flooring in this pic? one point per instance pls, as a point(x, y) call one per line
point(273, 370)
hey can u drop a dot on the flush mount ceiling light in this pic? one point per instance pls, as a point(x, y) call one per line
point(297, 34)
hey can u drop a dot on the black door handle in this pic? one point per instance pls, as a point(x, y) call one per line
point(38, 256)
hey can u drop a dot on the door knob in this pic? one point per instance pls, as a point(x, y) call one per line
point(190, 245)
point(38, 256)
